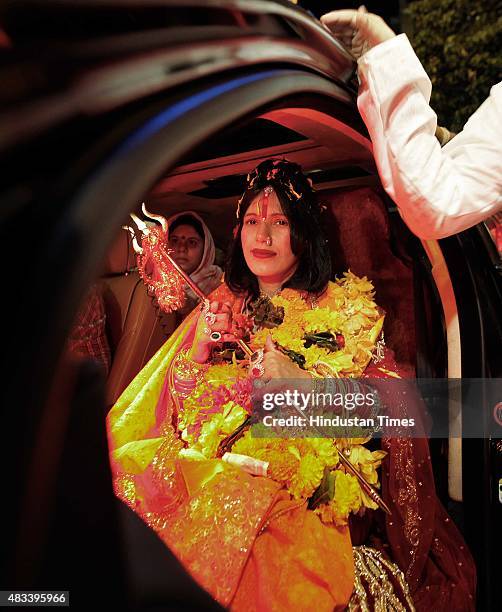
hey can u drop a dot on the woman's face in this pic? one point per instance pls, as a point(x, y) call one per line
point(188, 247)
point(266, 240)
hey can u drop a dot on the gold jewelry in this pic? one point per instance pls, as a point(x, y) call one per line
point(209, 317)
point(269, 297)
point(324, 370)
point(379, 350)
point(268, 241)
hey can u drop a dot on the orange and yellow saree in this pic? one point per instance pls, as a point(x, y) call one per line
point(244, 538)
point(241, 537)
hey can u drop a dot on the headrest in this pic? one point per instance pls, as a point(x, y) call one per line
point(120, 257)
point(359, 236)
point(358, 228)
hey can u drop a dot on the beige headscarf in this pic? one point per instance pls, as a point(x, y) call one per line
point(207, 276)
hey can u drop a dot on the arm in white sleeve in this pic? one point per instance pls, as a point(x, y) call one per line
point(438, 191)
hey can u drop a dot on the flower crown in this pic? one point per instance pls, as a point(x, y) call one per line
point(286, 175)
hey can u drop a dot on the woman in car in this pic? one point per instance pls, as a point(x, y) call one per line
point(270, 523)
point(193, 250)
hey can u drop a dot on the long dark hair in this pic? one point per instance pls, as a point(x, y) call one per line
point(299, 204)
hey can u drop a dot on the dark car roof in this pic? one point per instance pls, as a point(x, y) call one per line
point(70, 57)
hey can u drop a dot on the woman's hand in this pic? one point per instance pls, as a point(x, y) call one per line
point(201, 345)
point(358, 30)
point(278, 365)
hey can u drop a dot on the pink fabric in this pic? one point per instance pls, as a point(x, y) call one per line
point(420, 536)
point(88, 336)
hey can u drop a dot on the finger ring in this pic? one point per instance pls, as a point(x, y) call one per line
point(216, 336)
point(257, 370)
point(210, 318)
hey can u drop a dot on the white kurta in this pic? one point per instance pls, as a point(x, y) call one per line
point(439, 191)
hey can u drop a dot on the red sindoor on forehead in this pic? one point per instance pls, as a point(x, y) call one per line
point(263, 203)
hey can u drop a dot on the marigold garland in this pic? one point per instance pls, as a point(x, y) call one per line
point(215, 409)
point(356, 317)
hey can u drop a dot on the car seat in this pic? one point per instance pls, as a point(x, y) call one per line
point(358, 228)
point(135, 326)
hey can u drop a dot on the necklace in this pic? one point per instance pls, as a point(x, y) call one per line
point(265, 295)
point(310, 298)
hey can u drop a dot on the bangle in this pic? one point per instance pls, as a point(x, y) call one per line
point(323, 370)
point(314, 375)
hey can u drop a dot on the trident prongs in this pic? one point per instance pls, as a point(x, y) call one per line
point(162, 220)
point(135, 245)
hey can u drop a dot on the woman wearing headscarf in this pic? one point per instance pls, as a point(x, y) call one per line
point(194, 251)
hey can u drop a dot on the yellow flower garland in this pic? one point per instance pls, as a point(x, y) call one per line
point(201, 426)
point(356, 317)
point(299, 464)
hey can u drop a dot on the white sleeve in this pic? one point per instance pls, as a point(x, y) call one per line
point(438, 191)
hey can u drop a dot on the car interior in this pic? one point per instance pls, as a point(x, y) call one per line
point(78, 153)
point(363, 235)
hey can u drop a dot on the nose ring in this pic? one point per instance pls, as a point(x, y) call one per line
point(268, 242)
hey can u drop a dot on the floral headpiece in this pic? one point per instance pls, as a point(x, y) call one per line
point(286, 175)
